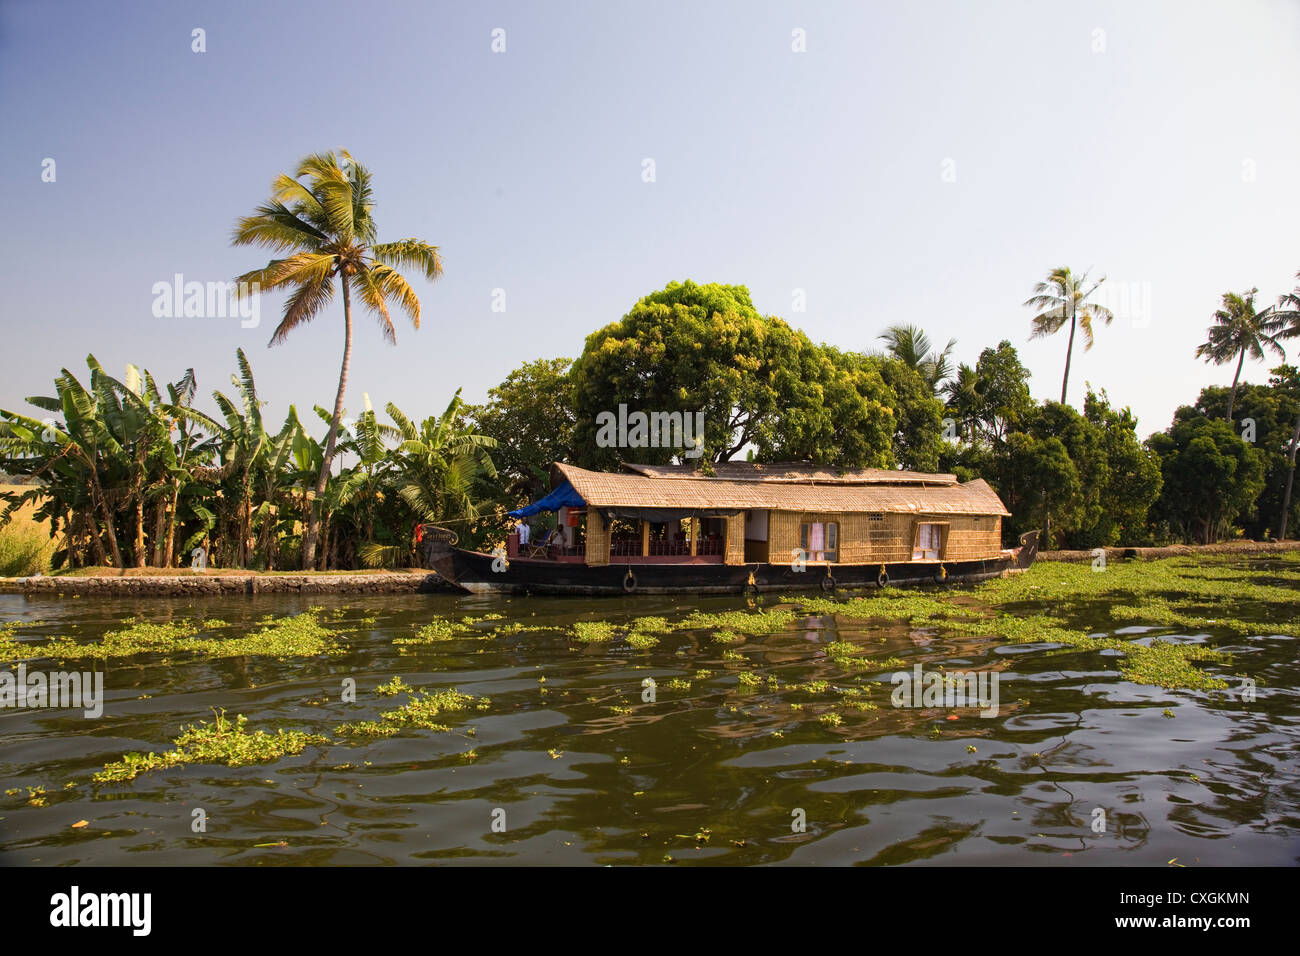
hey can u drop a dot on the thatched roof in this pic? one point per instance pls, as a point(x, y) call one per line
point(608, 490)
point(794, 473)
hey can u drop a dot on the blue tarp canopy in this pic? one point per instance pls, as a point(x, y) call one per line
point(562, 497)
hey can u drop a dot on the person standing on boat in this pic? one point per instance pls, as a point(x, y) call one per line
point(565, 528)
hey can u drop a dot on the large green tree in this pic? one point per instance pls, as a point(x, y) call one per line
point(759, 383)
point(991, 400)
point(322, 219)
point(1040, 485)
point(1132, 480)
point(691, 348)
point(531, 417)
point(840, 411)
point(917, 415)
point(1265, 418)
point(1211, 477)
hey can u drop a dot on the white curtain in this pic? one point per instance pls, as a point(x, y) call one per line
point(929, 537)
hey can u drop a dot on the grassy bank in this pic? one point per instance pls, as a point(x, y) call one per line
point(25, 545)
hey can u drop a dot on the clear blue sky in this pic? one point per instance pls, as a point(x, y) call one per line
point(1168, 160)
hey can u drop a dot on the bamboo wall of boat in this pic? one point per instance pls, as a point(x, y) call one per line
point(735, 540)
point(868, 539)
point(862, 538)
point(597, 538)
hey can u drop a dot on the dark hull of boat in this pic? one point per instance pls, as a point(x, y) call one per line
point(476, 572)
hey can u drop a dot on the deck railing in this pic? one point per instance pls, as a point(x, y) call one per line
point(630, 547)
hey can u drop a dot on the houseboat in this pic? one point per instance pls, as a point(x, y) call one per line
point(745, 527)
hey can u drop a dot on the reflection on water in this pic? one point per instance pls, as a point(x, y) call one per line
point(716, 769)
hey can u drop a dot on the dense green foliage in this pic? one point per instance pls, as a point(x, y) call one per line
point(1265, 417)
point(759, 383)
point(531, 416)
point(131, 474)
point(1212, 477)
point(133, 477)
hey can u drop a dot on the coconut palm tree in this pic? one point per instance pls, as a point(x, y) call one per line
point(1064, 297)
point(911, 346)
point(1240, 330)
point(322, 219)
point(1288, 310)
point(965, 401)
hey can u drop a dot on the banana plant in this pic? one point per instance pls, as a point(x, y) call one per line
point(439, 464)
point(82, 449)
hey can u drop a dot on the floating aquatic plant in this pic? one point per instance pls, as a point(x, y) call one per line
point(650, 625)
point(221, 742)
point(13, 650)
point(299, 635)
point(740, 622)
point(593, 632)
point(418, 712)
point(394, 686)
point(519, 627)
point(432, 633)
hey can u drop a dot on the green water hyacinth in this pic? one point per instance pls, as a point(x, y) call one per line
point(1035, 608)
point(432, 633)
point(221, 742)
point(300, 635)
point(419, 712)
point(593, 632)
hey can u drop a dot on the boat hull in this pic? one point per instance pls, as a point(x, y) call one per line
point(476, 572)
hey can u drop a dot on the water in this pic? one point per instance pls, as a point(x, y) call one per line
point(715, 774)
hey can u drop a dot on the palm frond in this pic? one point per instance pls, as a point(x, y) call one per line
point(274, 226)
point(410, 254)
point(303, 306)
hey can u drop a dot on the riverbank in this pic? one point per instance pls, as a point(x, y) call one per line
point(1175, 551)
point(133, 583)
point(157, 582)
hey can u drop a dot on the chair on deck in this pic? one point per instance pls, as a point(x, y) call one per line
point(543, 548)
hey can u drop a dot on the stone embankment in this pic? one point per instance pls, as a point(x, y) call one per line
point(224, 584)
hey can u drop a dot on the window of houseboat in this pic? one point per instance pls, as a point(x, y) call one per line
point(820, 540)
point(929, 542)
